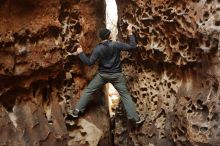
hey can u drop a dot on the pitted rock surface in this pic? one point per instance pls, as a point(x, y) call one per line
point(173, 74)
point(40, 78)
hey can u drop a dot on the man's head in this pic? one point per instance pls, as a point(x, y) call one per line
point(104, 33)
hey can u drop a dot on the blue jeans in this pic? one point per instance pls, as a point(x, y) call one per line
point(118, 81)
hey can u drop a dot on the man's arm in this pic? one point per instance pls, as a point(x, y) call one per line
point(132, 43)
point(127, 47)
point(88, 60)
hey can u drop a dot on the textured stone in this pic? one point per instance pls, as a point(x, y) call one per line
point(173, 76)
point(87, 133)
point(41, 79)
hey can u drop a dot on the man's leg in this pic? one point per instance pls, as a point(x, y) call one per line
point(96, 83)
point(120, 85)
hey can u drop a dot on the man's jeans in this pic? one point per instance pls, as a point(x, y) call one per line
point(118, 81)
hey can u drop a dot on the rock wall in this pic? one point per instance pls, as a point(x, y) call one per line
point(174, 73)
point(40, 79)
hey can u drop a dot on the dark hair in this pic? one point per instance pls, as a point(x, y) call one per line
point(104, 33)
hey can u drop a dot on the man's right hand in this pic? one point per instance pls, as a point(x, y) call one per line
point(79, 50)
point(129, 28)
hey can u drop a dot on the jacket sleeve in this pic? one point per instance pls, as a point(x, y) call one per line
point(89, 60)
point(127, 46)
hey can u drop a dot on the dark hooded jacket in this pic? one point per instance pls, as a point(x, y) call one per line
point(108, 54)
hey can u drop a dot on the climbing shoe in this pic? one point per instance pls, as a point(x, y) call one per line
point(74, 114)
point(140, 121)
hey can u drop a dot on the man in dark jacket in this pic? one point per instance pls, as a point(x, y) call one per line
point(110, 70)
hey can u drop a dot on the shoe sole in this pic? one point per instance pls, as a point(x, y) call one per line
point(140, 122)
point(74, 116)
point(69, 117)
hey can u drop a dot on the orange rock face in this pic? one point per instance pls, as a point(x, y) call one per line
point(40, 80)
point(173, 75)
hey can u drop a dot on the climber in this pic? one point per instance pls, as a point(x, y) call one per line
point(110, 70)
